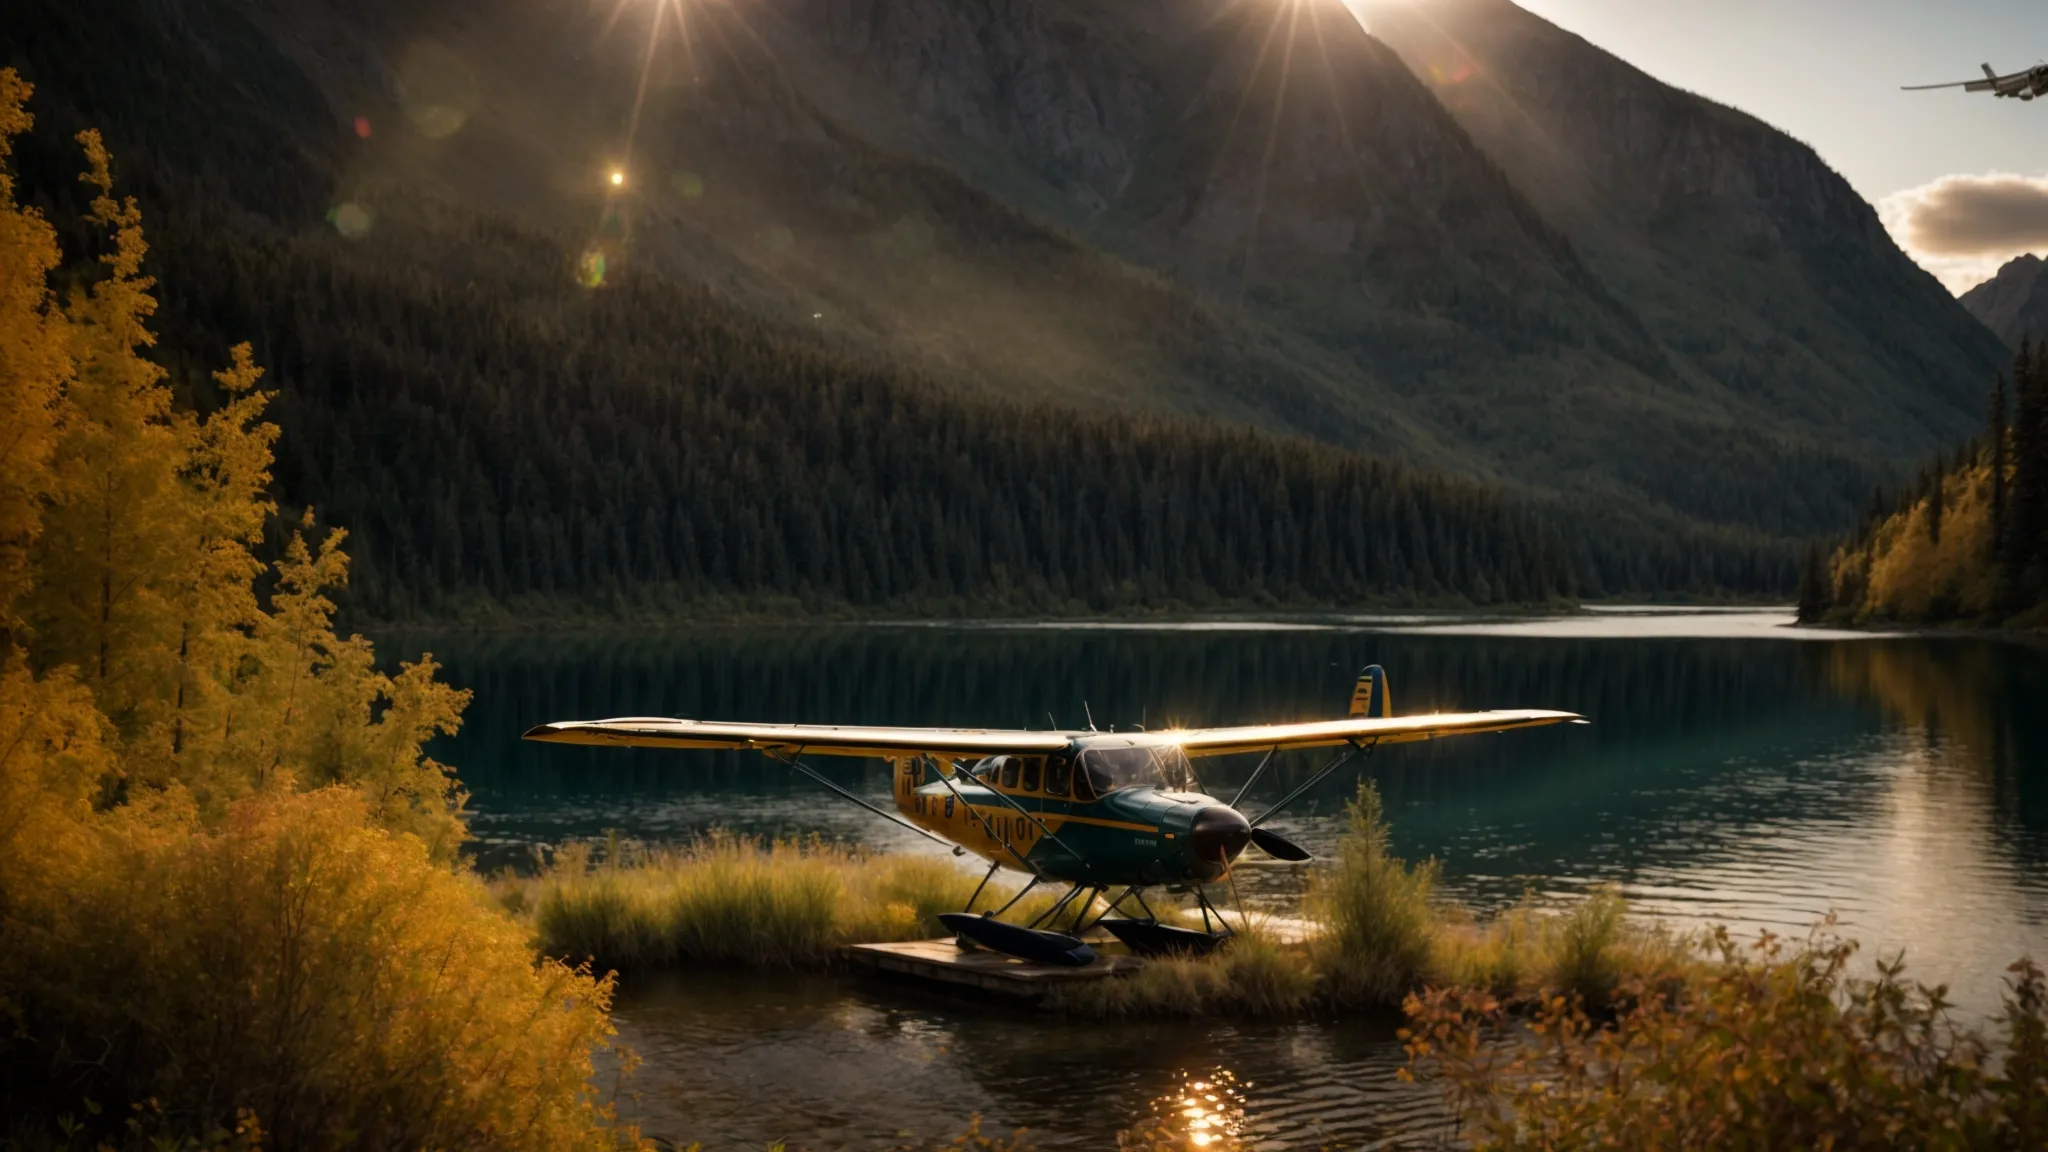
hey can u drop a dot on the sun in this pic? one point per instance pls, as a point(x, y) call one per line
point(617, 178)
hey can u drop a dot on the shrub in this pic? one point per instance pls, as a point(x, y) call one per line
point(1768, 1048)
point(1588, 958)
point(1378, 925)
point(299, 967)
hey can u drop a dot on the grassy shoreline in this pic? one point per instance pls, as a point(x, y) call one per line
point(731, 902)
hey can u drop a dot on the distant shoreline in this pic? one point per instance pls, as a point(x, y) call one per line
point(1388, 618)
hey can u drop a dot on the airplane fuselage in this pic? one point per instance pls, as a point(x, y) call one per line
point(1041, 815)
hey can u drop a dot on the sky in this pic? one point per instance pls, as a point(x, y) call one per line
point(1961, 180)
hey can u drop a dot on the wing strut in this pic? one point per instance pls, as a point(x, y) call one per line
point(791, 760)
point(1033, 817)
point(1302, 789)
point(1254, 778)
point(1022, 863)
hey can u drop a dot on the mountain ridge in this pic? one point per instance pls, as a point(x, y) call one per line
point(1139, 208)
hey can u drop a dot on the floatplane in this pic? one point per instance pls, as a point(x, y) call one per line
point(1099, 812)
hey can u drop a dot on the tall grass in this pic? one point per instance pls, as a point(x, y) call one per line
point(734, 901)
point(1249, 976)
point(1587, 950)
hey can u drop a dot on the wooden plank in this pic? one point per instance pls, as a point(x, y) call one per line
point(943, 961)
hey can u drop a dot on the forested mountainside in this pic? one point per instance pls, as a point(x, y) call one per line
point(1093, 220)
point(2013, 303)
point(1967, 541)
point(645, 447)
point(1563, 271)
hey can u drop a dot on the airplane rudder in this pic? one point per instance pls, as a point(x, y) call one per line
point(1369, 700)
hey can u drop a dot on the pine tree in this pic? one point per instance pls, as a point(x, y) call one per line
point(113, 529)
point(1937, 482)
point(2027, 516)
point(35, 367)
point(1995, 460)
point(1814, 586)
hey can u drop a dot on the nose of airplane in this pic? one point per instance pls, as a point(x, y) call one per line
point(1219, 834)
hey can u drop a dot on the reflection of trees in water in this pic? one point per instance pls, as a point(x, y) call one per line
point(1010, 678)
point(1987, 700)
point(1668, 714)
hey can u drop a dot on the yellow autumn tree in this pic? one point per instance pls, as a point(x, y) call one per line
point(35, 366)
point(52, 749)
point(228, 881)
point(1919, 563)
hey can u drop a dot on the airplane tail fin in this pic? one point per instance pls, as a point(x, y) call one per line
point(1989, 74)
point(1369, 700)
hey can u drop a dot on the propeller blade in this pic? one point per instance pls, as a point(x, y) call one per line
point(1279, 847)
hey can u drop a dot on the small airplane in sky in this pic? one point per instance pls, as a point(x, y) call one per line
point(2025, 85)
point(1095, 811)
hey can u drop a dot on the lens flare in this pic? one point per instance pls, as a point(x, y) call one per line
point(618, 178)
point(351, 219)
point(437, 89)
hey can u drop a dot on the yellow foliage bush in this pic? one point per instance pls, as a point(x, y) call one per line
point(318, 972)
point(1768, 1047)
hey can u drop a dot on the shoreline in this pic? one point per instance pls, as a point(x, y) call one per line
point(2031, 635)
point(1363, 616)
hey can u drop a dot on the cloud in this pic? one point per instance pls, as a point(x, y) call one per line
point(1963, 228)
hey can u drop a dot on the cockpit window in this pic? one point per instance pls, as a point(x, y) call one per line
point(1059, 772)
point(1011, 769)
point(1108, 769)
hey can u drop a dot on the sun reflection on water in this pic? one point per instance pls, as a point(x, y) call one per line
point(1205, 1111)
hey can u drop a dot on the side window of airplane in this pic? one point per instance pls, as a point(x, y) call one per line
point(1012, 768)
point(1029, 783)
point(989, 769)
point(1083, 789)
point(1059, 776)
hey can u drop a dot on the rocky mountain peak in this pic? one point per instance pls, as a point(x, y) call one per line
point(2013, 303)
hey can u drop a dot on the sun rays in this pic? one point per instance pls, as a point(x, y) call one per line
point(1286, 24)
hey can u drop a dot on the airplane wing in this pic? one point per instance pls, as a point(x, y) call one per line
point(811, 739)
point(973, 743)
point(1992, 82)
point(1359, 730)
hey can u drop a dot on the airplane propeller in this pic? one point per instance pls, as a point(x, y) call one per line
point(1279, 847)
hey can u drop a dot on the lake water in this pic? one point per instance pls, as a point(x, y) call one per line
point(1737, 772)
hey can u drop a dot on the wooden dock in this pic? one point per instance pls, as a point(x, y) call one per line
point(943, 961)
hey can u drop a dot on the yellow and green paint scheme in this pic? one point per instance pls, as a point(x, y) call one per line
point(1108, 811)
